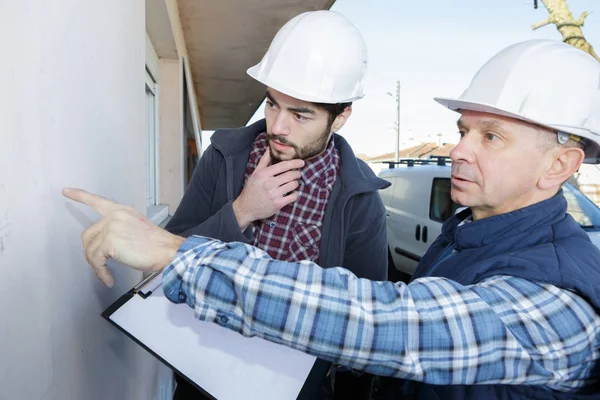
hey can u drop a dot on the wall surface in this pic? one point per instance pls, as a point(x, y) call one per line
point(71, 114)
point(171, 133)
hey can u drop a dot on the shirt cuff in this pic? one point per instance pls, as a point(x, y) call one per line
point(189, 280)
point(172, 278)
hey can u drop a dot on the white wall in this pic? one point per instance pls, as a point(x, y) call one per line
point(171, 140)
point(71, 114)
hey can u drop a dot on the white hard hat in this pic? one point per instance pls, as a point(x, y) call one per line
point(317, 56)
point(544, 82)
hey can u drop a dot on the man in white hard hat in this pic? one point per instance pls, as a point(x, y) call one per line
point(504, 305)
point(288, 184)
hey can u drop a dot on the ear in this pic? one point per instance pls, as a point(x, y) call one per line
point(341, 119)
point(566, 161)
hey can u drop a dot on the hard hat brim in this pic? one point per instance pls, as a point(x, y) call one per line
point(592, 152)
point(458, 105)
point(254, 72)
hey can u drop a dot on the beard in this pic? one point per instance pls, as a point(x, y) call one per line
point(305, 153)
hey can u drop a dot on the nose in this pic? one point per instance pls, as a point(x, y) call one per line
point(464, 151)
point(280, 126)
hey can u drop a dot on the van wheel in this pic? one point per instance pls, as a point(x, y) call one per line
point(393, 274)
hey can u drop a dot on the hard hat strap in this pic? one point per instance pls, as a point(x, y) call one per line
point(563, 137)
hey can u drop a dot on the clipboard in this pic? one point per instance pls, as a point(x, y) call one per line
point(222, 364)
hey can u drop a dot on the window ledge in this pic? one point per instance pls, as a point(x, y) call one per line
point(157, 214)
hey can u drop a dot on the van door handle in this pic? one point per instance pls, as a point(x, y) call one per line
point(424, 234)
point(418, 232)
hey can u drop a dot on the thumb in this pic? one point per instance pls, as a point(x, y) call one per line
point(264, 161)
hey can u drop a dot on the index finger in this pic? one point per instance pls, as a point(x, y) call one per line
point(100, 204)
point(284, 166)
point(264, 160)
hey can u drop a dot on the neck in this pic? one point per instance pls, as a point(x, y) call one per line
point(510, 206)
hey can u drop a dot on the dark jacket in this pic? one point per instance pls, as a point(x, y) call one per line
point(353, 233)
point(540, 243)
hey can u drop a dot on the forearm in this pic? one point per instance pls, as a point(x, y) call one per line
point(434, 330)
point(242, 217)
point(222, 226)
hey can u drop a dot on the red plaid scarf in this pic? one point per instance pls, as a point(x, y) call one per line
point(294, 232)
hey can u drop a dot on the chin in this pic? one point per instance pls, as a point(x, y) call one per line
point(461, 199)
point(281, 156)
point(277, 157)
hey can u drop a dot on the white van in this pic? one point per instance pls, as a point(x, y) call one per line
point(418, 202)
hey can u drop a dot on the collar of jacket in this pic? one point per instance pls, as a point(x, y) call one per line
point(482, 232)
point(352, 170)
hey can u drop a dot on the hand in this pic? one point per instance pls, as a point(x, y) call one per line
point(263, 194)
point(124, 235)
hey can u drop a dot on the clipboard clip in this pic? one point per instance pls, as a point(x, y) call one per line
point(144, 289)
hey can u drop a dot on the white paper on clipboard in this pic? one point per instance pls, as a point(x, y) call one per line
point(223, 363)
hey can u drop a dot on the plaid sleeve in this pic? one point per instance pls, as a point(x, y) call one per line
point(502, 330)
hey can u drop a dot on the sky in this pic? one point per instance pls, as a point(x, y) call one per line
point(433, 48)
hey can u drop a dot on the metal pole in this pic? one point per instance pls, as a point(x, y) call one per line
point(397, 150)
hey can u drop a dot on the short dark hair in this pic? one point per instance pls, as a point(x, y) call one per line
point(333, 110)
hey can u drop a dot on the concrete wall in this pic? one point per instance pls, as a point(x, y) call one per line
point(171, 133)
point(71, 114)
point(172, 50)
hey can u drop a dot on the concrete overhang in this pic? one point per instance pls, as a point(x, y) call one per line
point(159, 29)
point(226, 37)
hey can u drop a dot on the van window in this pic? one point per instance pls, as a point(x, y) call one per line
point(386, 194)
point(441, 206)
point(582, 209)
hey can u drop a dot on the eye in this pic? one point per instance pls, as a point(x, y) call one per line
point(462, 134)
point(300, 117)
point(490, 137)
point(270, 104)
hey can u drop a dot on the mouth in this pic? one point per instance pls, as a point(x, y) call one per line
point(280, 146)
point(458, 180)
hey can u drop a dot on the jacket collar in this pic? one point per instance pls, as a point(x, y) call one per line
point(499, 227)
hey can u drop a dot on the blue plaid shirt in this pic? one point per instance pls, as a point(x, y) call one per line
point(502, 330)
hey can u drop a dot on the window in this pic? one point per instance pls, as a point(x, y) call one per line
point(155, 212)
point(441, 206)
point(386, 194)
point(151, 175)
point(582, 209)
